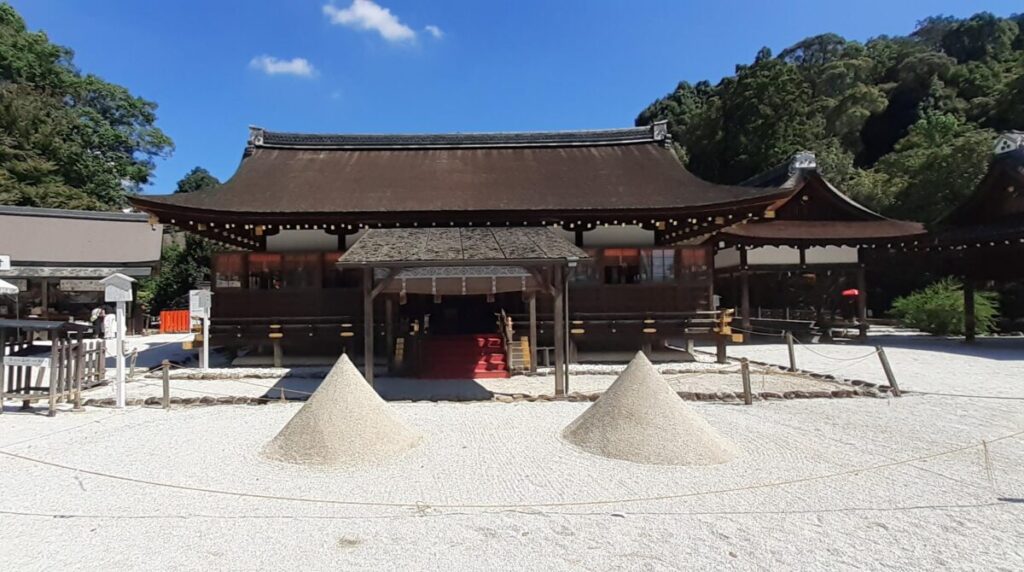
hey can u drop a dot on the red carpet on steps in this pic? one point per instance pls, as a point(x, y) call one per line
point(475, 356)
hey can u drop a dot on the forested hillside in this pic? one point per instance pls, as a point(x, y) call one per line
point(903, 124)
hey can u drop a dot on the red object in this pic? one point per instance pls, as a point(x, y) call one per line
point(852, 292)
point(175, 322)
point(463, 357)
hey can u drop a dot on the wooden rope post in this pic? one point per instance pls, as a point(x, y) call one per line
point(792, 351)
point(748, 397)
point(79, 370)
point(3, 368)
point(54, 361)
point(888, 371)
point(720, 352)
point(166, 366)
point(278, 352)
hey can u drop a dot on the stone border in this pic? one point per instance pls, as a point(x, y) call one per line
point(721, 396)
point(874, 389)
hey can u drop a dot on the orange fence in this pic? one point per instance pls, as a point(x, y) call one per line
point(175, 322)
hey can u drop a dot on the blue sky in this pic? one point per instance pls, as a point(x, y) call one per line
point(217, 66)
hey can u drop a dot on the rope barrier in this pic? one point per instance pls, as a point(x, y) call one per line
point(421, 505)
point(781, 333)
point(66, 429)
point(834, 358)
point(967, 396)
point(420, 514)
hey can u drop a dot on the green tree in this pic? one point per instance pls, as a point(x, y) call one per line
point(68, 139)
point(902, 123)
point(197, 179)
point(939, 309)
point(934, 167)
point(186, 259)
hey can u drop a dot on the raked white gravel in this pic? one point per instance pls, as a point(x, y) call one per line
point(953, 511)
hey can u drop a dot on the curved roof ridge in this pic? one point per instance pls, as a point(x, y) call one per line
point(260, 137)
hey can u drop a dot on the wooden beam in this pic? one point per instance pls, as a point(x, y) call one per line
point(559, 311)
point(368, 324)
point(542, 282)
point(383, 283)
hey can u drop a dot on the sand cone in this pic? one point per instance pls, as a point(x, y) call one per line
point(343, 423)
point(640, 418)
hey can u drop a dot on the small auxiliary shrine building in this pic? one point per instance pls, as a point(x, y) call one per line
point(587, 241)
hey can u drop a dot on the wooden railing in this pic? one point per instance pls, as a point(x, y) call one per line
point(57, 375)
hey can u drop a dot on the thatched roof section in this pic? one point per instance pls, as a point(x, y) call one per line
point(488, 176)
point(460, 245)
point(815, 213)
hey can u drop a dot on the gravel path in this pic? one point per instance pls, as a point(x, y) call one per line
point(949, 511)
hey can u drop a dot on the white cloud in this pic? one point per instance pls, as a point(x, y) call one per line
point(276, 66)
point(434, 31)
point(367, 15)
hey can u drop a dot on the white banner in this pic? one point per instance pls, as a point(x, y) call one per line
point(80, 286)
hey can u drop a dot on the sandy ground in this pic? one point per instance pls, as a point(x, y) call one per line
point(900, 484)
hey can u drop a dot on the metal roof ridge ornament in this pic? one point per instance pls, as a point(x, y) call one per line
point(256, 135)
point(803, 161)
point(659, 132)
point(1008, 142)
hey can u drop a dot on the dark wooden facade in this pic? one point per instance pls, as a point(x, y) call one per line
point(982, 239)
point(807, 249)
point(622, 195)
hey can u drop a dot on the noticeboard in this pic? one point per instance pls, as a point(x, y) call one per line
point(199, 302)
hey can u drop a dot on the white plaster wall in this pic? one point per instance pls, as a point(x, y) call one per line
point(351, 239)
point(290, 240)
point(727, 258)
point(568, 235)
point(832, 255)
point(616, 236)
point(772, 255)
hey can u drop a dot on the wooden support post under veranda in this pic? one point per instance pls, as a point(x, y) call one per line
point(970, 317)
point(368, 324)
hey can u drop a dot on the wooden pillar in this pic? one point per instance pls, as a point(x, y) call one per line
point(44, 291)
point(533, 331)
point(970, 322)
point(745, 300)
point(862, 301)
point(559, 315)
point(278, 352)
point(45, 296)
point(389, 331)
point(368, 324)
point(744, 291)
point(3, 367)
